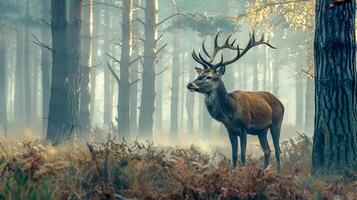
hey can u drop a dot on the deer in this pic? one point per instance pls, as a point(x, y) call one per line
point(241, 112)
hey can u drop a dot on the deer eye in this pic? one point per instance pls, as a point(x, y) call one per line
point(209, 77)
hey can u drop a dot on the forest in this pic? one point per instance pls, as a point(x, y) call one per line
point(178, 99)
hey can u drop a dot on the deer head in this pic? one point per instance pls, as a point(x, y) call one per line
point(209, 77)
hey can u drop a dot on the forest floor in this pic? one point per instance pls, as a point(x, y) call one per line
point(139, 170)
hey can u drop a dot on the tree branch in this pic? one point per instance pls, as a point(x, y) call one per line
point(39, 43)
point(112, 57)
point(171, 16)
point(162, 71)
point(113, 73)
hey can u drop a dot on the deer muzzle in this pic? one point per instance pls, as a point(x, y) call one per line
point(193, 87)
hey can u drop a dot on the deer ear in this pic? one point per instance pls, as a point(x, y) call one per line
point(199, 70)
point(221, 70)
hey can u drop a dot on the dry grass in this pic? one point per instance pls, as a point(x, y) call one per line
point(122, 170)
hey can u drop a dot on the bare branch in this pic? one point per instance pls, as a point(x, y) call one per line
point(161, 48)
point(112, 57)
point(113, 73)
point(162, 71)
point(308, 73)
point(102, 3)
point(134, 82)
point(135, 60)
point(39, 43)
point(171, 16)
point(139, 6)
point(141, 21)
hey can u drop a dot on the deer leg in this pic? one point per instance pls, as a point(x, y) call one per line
point(234, 142)
point(243, 147)
point(265, 146)
point(275, 133)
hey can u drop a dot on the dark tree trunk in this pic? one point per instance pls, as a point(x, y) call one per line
point(85, 73)
point(124, 86)
point(3, 84)
point(74, 57)
point(57, 119)
point(45, 66)
point(147, 108)
point(335, 136)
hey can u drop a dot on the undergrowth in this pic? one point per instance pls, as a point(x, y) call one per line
point(139, 170)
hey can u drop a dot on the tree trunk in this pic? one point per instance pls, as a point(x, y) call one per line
point(27, 71)
point(335, 136)
point(19, 97)
point(134, 75)
point(190, 99)
point(3, 84)
point(309, 96)
point(175, 77)
point(108, 100)
point(158, 103)
point(45, 66)
point(74, 64)
point(57, 119)
point(124, 86)
point(148, 81)
point(299, 99)
point(87, 50)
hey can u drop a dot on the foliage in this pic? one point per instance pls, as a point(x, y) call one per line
point(297, 14)
point(120, 170)
point(203, 24)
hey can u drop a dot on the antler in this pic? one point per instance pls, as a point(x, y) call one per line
point(207, 64)
point(251, 43)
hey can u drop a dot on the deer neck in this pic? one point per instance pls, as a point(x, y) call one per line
point(220, 104)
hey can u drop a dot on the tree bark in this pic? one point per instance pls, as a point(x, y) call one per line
point(299, 99)
point(124, 85)
point(335, 135)
point(57, 119)
point(74, 64)
point(147, 108)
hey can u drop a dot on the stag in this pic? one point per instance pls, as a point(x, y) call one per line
point(240, 112)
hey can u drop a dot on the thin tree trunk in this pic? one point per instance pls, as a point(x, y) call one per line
point(175, 77)
point(190, 100)
point(158, 103)
point(74, 64)
point(3, 74)
point(335, 136)
point(87, 60)
point(299, 99)
point(19, 97)
point(124, 86)
point(57, 119)
point(135, 75)
point(148, 81)
point(27, 71)
point(108, 100)
point(45, 66)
